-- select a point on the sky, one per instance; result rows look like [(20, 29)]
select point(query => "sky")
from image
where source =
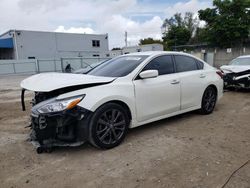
[(140, 18)]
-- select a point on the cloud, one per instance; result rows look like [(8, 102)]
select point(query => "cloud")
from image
[(118, 24), (46, 5), (85, 30), (189, 6), (150, 28), (140, 19)]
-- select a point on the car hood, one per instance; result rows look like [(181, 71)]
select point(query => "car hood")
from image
[(46, 82), (234, 69)]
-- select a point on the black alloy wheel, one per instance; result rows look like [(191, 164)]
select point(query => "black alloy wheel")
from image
[(108, 126), (208, 100)]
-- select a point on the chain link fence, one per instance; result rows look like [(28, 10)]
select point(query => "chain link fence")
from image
[(78, 63), (33, 66)]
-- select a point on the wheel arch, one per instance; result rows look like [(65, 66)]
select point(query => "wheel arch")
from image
[(123, 104), (92, 135), (214, 87), (204, 111)]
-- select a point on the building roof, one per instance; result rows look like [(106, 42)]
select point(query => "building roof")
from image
[(22, 30)]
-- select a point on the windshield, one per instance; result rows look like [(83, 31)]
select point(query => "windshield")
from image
[(118, 67), (85, 70), (240, 61)]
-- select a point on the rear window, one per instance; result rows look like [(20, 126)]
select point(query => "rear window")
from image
[(200, 64)]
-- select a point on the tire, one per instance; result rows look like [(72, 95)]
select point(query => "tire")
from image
[(108, 126), (208, 100)]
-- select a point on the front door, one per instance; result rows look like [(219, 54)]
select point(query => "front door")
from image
[(160, 95)]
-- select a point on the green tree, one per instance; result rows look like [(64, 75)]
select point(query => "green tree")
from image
[(228, 23), (179, 30), (149, 41), (191, 22), (200, 36), (176, 35)]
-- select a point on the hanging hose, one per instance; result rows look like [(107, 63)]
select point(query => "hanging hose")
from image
[(22, 99)]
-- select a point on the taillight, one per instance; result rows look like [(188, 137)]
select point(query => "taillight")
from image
[(220, 73)]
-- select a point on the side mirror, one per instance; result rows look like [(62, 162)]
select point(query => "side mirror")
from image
[(149, 74)]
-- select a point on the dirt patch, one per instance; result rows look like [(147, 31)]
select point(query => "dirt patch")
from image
[(189, 150)]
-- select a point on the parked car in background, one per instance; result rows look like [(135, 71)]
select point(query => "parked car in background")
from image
[(121, 93), (88, 68), (237, 73)]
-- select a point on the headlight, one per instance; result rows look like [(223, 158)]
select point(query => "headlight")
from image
[(60, 105)]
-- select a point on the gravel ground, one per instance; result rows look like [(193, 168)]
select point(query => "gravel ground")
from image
[(189, 150)]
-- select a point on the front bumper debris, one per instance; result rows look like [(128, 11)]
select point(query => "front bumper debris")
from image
[(67, 128), (237, 80)]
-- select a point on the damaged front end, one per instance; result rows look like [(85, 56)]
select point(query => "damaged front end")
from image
[(57, 122), (237, 80)]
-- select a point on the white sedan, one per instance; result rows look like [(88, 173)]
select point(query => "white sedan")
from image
[(124, 92)]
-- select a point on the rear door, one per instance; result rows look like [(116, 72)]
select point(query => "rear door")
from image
[(192, 80), (158, 96)]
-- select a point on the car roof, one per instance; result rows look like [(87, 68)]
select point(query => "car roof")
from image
[(152, 53), (244, 56)]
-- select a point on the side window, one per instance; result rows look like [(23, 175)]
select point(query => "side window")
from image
[(200, 64), (185, 63), (163, 64)]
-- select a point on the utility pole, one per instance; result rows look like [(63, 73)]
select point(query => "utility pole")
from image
[(175, 42), (126, 38), (16, 47)]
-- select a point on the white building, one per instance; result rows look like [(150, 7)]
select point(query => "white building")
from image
[(141, 48), (22, 44)]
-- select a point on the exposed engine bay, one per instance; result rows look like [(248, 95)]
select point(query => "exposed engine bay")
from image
[(237, 80)]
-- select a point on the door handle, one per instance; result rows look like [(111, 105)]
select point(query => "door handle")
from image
[(175, 82), (202, 75)]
